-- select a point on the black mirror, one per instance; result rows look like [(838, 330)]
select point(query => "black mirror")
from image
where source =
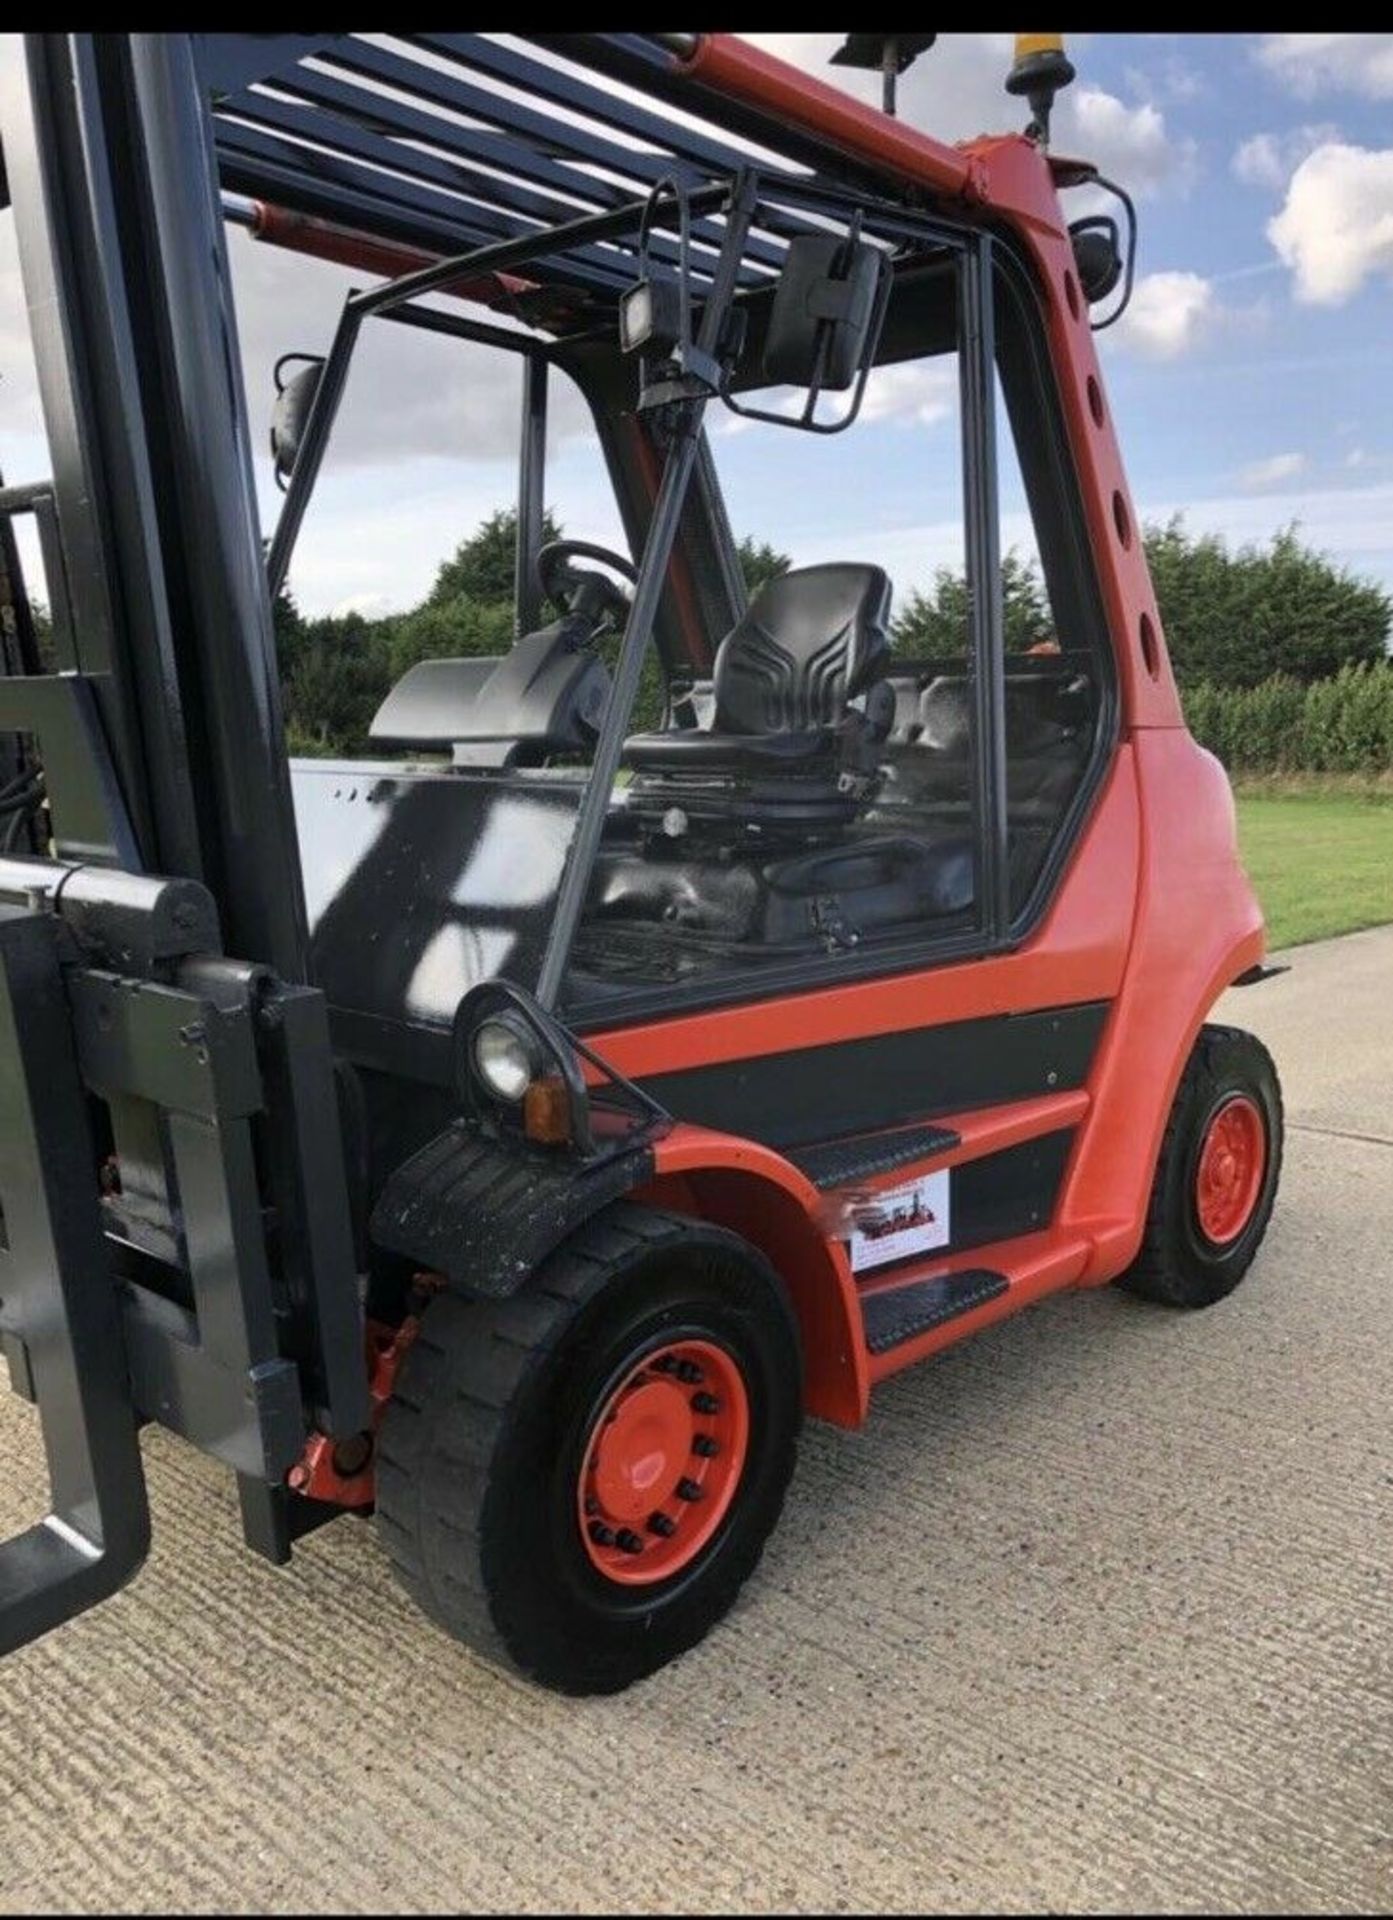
[(294, 399), (1097, 255), (822, 312)]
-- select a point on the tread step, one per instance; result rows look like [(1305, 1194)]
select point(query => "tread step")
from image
[(835, 1162), (896, 1314)]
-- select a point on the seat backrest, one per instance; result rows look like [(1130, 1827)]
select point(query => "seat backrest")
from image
[(809, 640)]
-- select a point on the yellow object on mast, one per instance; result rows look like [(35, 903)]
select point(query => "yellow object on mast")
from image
[(1040, 70)]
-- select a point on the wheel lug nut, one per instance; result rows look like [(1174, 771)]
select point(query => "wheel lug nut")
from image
[(662, 1525), (664, 1363), (705, 1403), (688, 1490), (602, 1535), (706, 1446), (689, 1371), (592, 1505), (628, 1541)]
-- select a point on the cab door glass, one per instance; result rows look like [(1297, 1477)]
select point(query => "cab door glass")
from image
[(1056, 679), (816, 810)]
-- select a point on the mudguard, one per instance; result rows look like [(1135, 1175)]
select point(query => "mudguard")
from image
[(484, 1212)]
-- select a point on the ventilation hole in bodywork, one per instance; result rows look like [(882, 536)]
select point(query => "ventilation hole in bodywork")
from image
[(1122, 520)]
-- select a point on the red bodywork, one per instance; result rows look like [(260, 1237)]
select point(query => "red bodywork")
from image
[(1154, 914), (321, 1472)]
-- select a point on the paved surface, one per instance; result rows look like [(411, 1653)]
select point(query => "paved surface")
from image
[(1095, 1614)]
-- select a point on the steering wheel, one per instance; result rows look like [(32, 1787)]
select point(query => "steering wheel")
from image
[(579, 590)]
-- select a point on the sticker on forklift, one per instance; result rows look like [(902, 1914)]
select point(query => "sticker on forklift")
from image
[(904, 1221)]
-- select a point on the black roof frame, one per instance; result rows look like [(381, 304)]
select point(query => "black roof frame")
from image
[(446, 142)]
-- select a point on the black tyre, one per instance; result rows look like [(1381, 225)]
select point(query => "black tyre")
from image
[(580, 1478), (1216, 1178)]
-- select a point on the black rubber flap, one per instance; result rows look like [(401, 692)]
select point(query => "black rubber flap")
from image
[(484, 1212)]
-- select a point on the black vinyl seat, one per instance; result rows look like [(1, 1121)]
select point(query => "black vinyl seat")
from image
[(812, 641)]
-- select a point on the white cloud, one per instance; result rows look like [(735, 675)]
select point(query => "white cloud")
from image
[(425, 443), (957, 90), (1167, 77), (1271, 472), (914, 393), (1129, 144), (1270, 159), (1308, 64), (20, 415), (370, 605), (921, 392), (1353, 524), (1336, 226), (1170, 313), (409, 393)]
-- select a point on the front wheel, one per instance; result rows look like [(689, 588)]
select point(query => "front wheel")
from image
[(1216, 1177), (582, 1477)]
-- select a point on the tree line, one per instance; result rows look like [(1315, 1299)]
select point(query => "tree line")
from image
[(1234, 620)]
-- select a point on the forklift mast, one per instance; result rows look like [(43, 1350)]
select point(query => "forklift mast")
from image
[(116, 202), (173, 847)]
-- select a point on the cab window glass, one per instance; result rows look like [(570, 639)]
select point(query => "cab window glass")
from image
[(816, 801), (1056, 664)]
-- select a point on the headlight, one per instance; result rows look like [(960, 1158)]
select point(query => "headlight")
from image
[(503, 1060), (650, 316)]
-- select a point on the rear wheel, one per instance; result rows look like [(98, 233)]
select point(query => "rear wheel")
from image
[(1216, 1177), (581, 1477)]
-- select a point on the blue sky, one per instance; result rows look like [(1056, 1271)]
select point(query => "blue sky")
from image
[(1252, 382)]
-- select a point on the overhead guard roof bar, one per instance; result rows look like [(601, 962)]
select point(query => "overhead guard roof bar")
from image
[(446, 142), (331, 139), (764, 99), (492, 207), (521, 252)]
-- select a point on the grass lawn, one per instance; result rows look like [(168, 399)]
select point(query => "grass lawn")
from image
[(1322, 862)]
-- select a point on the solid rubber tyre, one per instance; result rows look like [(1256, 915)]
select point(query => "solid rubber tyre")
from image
[(483, 1446), (1179, 1264)]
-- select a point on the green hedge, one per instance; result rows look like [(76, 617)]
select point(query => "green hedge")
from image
[(1340, 725)]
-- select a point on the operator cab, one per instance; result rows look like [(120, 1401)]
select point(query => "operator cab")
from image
[(834, 766)]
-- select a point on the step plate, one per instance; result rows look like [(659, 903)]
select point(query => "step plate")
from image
[(839, 1162), (898, 1314)]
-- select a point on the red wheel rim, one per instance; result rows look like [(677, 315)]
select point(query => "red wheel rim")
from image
[(662, 1462), (1228, 1174)]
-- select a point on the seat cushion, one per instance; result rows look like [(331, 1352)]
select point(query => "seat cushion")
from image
[(694, 751)]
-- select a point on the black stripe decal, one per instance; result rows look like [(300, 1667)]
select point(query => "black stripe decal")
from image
[(853, 1086)]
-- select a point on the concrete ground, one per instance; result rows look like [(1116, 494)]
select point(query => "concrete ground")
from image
[(1095, 1614)]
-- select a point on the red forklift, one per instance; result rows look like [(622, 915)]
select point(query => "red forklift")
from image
[(512, 1133)]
